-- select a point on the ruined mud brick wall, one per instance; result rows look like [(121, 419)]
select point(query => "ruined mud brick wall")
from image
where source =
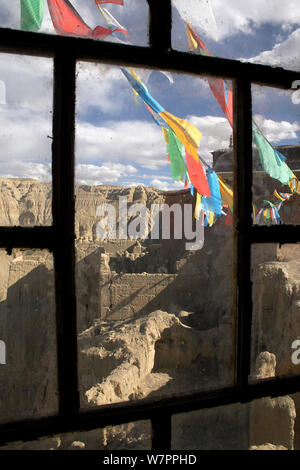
[(129, 295)]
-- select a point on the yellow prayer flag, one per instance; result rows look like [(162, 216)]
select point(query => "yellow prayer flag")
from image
[(192, 42), (211, 218), (135, 75), (198, 206), (226, 192), (188, 134), (166, 136)]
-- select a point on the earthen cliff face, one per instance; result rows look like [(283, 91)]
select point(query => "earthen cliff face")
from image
[(153, 319)]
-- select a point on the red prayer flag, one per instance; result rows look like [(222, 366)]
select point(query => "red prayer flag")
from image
[(229, 217), (197, 175), (217, 85), (67, 21)]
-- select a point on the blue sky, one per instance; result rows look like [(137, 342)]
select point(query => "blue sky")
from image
[(117, 141)]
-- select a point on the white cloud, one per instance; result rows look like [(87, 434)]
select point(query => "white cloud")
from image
[(285, 54), (102, 85), (137, 142), (237, 15), (166, 185), (106, 173), (216, 133), (21, 169), (276, 131), (23, 135), (28, 81)]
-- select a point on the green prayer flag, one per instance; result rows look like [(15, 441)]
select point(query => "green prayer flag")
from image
[(269, 158), (32, 13), (178, 166)]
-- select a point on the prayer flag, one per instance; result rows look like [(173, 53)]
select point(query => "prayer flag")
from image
[(67, 21), (271, 163), (32, 14), (200, 14), (218, 86), (214, 202), (113, 23), (188, 134), (197, 175), (141, 89), (226, 193), (178, 167)]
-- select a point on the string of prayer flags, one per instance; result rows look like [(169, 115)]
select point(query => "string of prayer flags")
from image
[(32, 14), (273, 162), (67, 21), (200, 14), (270, 158), (186, 132), (267, 215)]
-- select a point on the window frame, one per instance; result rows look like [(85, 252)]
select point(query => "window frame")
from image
[(60, 237)]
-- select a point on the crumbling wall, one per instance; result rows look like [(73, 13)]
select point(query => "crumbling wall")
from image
[(126, 296)]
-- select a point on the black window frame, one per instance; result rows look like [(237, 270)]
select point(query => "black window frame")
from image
[(60, 237)]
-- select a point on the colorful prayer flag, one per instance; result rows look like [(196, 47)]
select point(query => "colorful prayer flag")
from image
[(112, 22), (214, 202), (141, 89), (197, 175), (218, 86), (67, 21), (188, 134), (271, 163), (32, 14), (178, 167)]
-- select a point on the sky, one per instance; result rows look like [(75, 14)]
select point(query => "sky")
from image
[(117, 141)]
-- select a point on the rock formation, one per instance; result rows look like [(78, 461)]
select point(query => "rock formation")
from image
[(153, 319)]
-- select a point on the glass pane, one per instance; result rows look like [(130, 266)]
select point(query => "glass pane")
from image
[(111, 21), (276, 156), (153, 298), (25, 140), (276, 321), (129, 436), (28, 383), (263, 32), (265, 424)]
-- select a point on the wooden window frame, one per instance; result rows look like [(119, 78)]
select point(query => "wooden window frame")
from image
[(60, 237)]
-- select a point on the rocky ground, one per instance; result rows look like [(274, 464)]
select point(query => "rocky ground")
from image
[(168, 331)]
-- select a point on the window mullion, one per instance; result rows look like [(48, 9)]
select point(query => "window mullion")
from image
[(242, 137), (63, 216), (160, 24)]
